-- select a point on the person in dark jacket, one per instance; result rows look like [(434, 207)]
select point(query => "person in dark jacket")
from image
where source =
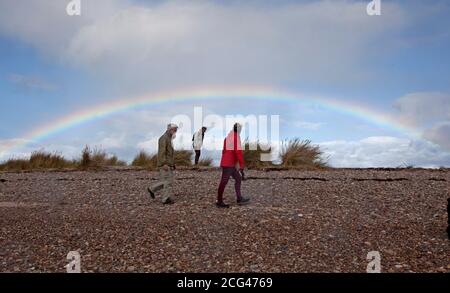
[(232, 164), (166, 165)]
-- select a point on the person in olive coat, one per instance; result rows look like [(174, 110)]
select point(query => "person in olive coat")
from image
[(165, 165)]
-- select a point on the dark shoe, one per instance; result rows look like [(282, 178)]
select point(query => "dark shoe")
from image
[(169, 201), (222, 205), (152, 194), (243, 200)]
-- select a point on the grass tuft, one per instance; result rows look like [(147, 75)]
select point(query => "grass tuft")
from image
[(183, 158), (150, 161), (98, 158), (38, 160), (205, 162), (296, 153), (252, 155), (144, 160)]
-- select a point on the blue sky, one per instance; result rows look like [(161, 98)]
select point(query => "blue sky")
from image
[(396, 64)]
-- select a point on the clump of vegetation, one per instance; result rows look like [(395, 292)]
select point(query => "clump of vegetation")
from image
[(85, 160), (182, 158), (43, 160), (37, 161), (150, 161), (252, 155), (205, 162), (14, 165), (115, 161), (144, 160), (296, 153), (98, 158)]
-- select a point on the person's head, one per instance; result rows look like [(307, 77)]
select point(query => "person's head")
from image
[(237, 128), (204, 129), (172, 129)]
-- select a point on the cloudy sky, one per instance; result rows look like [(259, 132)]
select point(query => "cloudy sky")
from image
[(396, 65)]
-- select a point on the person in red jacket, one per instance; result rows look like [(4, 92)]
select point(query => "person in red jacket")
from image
[(232, 161)]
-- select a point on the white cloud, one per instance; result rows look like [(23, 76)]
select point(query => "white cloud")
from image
[(45, 23), (181, 43), (191, 42), (429, 111), (112, 142), (6, 144), (24, 148), (440, 134), (424, 107), (385, 152), (150, 145)]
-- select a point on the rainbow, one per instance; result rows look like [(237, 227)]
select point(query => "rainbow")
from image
[(362, 112)]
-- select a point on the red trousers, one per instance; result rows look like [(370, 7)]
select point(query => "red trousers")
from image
[(226, 173)]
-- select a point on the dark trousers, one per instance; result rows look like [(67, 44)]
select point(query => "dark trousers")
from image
[(226, 173), (197, 156)]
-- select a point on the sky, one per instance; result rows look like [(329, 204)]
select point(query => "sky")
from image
[(372, 91)]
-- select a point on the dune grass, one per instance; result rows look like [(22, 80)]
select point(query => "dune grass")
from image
[(42, 160), (97, 158), (183, 158), (150, 161), (38, 160), (205, 162), (252, 155), (296, 153), (145, 160)]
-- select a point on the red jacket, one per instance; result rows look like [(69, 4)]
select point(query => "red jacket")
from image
[(232, 151)]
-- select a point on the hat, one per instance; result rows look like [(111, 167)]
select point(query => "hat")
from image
[(171, 126)]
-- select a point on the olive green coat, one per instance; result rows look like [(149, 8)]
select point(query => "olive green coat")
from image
[(165, 150)]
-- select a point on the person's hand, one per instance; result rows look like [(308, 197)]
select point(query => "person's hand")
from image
[(242, 174)]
